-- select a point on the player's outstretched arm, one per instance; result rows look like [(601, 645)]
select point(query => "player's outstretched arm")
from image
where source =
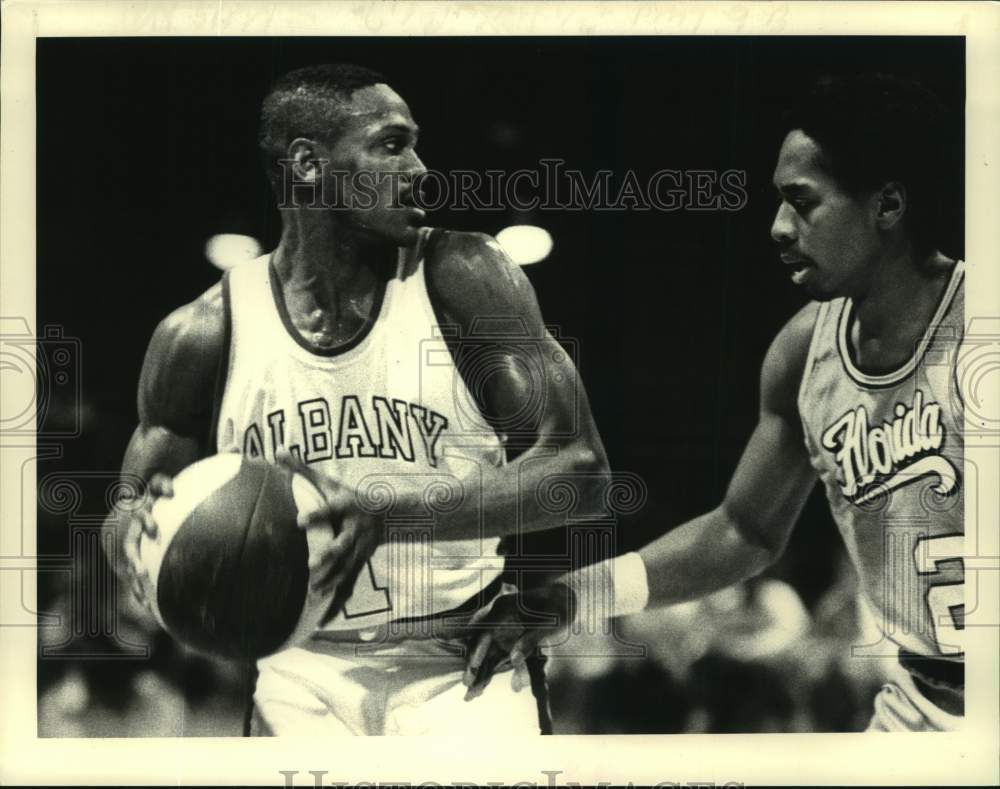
[(530, 391), (750, 528), (738, 539), (175, 399)]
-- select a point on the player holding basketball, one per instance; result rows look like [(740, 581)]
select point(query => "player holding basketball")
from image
[(325, 353), (858, 389)]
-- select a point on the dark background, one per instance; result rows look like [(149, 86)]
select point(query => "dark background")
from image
[(147, 147)]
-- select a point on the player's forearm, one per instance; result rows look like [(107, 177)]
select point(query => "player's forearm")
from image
[(115, 524), (533, 493), (702, 556)]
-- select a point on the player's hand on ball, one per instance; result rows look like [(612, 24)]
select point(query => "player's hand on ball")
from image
[(139, 521), (335, 568), (510, 631)]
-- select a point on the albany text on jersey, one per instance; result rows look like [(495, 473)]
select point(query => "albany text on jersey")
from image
[(387, 414)]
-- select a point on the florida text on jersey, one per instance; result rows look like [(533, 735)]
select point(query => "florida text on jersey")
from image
[(889, 450)]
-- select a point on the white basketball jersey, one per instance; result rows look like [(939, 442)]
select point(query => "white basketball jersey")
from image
[(889, 450), (386, 415)]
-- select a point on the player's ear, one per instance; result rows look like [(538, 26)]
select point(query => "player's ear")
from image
[(302, 155), (891, 204)]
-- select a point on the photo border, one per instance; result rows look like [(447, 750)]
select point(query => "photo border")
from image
[(969, 756)]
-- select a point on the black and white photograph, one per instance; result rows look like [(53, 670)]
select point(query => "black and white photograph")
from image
[(517, 388)]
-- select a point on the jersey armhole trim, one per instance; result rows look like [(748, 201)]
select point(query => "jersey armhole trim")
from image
[(817, 329), (954, 380), (448, 331), (437, 307), (222, 371)]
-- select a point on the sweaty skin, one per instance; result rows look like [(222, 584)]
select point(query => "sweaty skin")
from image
[(331, 265), (469, 276)]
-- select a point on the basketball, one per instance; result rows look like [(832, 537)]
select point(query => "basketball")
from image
[(229, 565)]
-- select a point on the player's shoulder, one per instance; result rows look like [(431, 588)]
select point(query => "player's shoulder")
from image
[(183, 359), (796, 335), (192, 333), (785, 362), (458, 246), (469, 275)]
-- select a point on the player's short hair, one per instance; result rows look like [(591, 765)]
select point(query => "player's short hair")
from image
[(307, 102), (873, 128)]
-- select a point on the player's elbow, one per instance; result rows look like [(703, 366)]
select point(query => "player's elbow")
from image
[(767, 544), (590, 460), (589, 465)]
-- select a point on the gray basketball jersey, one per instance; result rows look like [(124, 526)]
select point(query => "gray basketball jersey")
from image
[(889, 451)]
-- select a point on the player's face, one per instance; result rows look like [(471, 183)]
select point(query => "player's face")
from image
[(827, 238), (376, 147)]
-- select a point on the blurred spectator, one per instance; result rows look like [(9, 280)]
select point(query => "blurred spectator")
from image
[(171, 693), (749, 658)]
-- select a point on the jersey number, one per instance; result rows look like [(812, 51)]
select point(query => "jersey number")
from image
[(368, 596), (945, 599), (408, 565)]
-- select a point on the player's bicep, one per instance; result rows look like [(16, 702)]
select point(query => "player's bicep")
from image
[(771, 483), (525, 382), (774, 476), (539, 385), (181, 369), (534, 390)]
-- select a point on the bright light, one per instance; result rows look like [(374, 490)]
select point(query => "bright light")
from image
[(525, 244), (230, 249)]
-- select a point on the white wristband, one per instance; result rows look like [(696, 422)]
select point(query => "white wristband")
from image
[(614, 587), (631, 584)]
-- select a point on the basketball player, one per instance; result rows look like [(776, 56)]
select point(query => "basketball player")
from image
[(326, 353), (858, 389)]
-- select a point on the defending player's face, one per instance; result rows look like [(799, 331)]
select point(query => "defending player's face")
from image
[(376, 146), (827, 237)]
